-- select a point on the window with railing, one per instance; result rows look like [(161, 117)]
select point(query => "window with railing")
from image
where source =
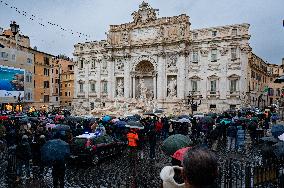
[(81, 86), (195, 56), (46, 84), (104, 85), (93, 87), (214, 55), (234, 32), (213, 86), (233, 86), (233, 53), (46, 98), (46, 61), (194, 85)]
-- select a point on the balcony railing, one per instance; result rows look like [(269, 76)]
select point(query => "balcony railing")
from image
[(81, 94), (211, 94), (231, 94)]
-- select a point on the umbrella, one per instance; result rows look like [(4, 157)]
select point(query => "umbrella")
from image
[(211, 114), (179, 154), (61, 127), (55, 150), (226, 121), (279, 149), (137, 116), (174, 143), (183, 120), (254, 119), (281, 137), (150, 114), (49, 125), (158, 111), (268, 139), (4, 117), (207, 120), (106, 118), (174, 119), (114, 120), (184, 116), (34, 119), (277, 130), (120, 124), (132, 118), (134, 125), (279, 79)]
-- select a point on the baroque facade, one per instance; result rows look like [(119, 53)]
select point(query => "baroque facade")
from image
[(157, 62)]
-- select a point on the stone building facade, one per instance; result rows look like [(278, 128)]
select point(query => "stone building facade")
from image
[(156, 62), (66, 76), (14, 54)]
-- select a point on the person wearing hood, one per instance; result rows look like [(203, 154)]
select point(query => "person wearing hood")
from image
[(200, 170), (23, 157)]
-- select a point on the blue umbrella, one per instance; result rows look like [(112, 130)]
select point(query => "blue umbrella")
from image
[(55, 150), (277, 130), (106, 118), (120, 124), (61, 127)]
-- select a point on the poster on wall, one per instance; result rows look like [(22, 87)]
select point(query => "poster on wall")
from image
[(12, 82)]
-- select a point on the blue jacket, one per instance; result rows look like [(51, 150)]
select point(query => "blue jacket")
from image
[(240, 136)]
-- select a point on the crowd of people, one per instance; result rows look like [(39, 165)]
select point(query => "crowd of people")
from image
[(28, 137)]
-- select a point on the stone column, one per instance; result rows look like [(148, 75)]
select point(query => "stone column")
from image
[(133, 87), (181, 76), (127, 78), (155, 86), (161, 83), (111, 79)]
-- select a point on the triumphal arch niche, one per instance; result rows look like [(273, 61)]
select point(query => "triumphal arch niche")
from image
[(149, 56)]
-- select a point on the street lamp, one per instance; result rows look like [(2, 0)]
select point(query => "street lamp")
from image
[(191, 103), (14, 28)]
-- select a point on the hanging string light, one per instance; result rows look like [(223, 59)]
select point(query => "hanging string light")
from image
[(41, 22)]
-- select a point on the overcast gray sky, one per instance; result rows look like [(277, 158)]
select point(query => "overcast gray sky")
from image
[(93, 17)]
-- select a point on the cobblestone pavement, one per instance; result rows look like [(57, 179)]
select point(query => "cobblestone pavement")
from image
[(118, 171), (112, 172)]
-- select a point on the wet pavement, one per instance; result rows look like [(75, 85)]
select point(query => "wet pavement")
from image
[(118, 171)]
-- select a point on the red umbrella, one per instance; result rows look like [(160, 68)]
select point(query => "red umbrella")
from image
[(180, 153), (4, 117)]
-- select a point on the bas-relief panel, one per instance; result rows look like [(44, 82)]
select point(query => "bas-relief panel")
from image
[(144, 34)]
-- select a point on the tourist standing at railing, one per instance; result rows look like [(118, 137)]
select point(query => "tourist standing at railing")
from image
[(165, 129), (23, 157), (231, 137), (152, 138)]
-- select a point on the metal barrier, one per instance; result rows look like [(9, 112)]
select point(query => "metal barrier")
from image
[(240, 173)]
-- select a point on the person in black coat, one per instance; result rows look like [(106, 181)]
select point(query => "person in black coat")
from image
[(23, 157), (58, 168), (231, 136), (37, 154), (152, 138)]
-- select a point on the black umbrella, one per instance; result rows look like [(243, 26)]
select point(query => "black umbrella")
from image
[(150, 114), (279, 79), (184, 116), (268, 139), (134, 124), (55, 150)]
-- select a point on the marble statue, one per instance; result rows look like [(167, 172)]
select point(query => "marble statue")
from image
[(172, 88), (120, 87), (143, 89)]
